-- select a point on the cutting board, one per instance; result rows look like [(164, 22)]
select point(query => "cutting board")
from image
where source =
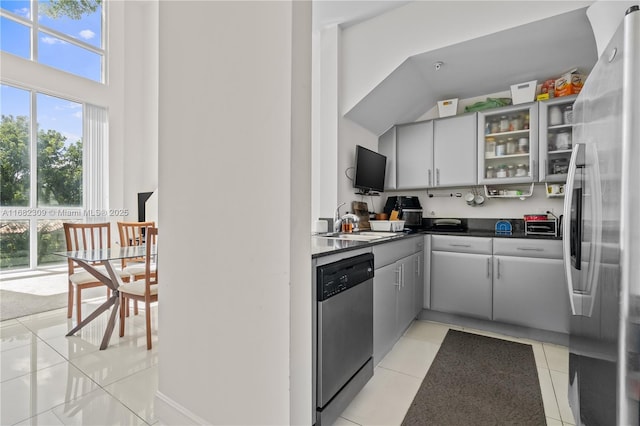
[(361, 210)]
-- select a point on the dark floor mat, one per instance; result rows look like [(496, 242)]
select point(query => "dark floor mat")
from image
[(479, 380)]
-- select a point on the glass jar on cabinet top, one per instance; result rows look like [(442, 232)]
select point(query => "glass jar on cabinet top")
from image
[(555, 130), (511, 141)]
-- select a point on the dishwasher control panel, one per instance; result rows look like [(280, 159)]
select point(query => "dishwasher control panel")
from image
[(340, 276)]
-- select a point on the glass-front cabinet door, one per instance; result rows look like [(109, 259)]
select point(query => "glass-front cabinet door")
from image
[(555, 128), (508, 144)]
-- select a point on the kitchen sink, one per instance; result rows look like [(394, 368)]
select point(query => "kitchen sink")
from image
[(359, 236)]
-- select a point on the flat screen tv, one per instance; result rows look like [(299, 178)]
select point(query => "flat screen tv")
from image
[(370, 169)]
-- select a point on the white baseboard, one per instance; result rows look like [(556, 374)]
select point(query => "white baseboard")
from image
[(168, 412)]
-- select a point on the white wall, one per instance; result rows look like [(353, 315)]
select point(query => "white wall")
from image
[(326, 63), (234, 129), (357, 135), (374, 48), (300, 347), (605, 17), (442, 204), (140, 141)]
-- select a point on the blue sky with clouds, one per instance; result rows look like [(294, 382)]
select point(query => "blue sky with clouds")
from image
[(52, 113)]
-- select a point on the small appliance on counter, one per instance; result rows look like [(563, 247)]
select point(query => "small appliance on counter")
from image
[(540, 224), (448, 225), (409, 209)]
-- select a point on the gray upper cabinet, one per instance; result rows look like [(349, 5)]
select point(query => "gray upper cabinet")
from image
[(414, 155), (508, 144), (454, 150), (387, 147), (555, 134), (431, 154)]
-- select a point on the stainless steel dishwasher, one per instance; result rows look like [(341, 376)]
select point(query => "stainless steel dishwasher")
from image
[(344, 334)]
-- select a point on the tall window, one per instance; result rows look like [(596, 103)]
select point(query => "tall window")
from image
[(53, 149), (41, 169), (64, 34)]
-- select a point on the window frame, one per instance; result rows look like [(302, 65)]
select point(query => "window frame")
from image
[(32, 212), (35, 28)]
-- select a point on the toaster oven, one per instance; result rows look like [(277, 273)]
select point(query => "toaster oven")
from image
[(541, 227)]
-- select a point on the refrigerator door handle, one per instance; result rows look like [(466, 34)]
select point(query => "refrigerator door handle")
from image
[(582, 286), (566, 231)]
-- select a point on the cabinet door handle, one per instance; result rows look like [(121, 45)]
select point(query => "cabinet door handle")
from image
[(418, 265), (398, 277), (546, 170), (460, 245), (498, 268), (429, 177), (488, 267), (437, 177), (530, 249), (533, 170), (402, 274)]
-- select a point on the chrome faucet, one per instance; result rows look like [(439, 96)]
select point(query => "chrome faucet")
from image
[(337, 221)]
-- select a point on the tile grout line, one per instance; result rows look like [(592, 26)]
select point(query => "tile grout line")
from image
[(72, 364)]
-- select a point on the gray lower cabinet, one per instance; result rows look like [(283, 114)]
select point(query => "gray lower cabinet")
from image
[(406, 293), (528, 284), (515, 281), (423, 292), (398, 268), (461, 283), (461, 275), (385, 291)]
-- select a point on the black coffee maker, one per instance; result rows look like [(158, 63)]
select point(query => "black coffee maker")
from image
[(409, 209)]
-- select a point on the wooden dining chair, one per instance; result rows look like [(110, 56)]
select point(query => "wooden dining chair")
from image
[(146, 289), (85, 236), (133, 234)]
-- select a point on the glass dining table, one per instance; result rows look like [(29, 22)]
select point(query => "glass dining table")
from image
[(87, 260)]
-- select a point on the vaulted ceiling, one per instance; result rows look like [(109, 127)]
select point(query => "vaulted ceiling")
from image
[(536, 51)]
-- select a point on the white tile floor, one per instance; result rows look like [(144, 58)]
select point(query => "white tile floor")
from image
[(388, 395), (49, 379)]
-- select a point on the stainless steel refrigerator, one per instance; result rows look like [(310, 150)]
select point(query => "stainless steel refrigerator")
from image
[(601, 236)]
